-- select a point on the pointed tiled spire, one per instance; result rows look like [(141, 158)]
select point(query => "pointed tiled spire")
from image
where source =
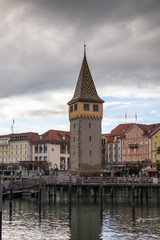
[(85, 89)]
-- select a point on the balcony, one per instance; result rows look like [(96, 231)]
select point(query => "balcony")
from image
[(134, 145)]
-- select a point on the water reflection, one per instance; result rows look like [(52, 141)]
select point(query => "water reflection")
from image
[(86, 218)]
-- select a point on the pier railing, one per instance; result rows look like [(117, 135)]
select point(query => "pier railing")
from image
[(98, 180), (74, 180)]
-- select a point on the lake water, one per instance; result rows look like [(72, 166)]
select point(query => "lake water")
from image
[(85, 219)]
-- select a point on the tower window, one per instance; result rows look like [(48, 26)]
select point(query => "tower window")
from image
[(89, 125), (90, 138), (86, 107), (75, 107), (71, 108), (95, 108)]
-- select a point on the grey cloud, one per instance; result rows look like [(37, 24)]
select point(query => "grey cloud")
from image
[(41, 43)]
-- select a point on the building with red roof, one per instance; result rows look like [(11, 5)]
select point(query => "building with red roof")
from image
[(52, 146)]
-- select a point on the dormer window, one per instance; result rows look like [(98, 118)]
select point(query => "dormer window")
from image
[(86, 107)]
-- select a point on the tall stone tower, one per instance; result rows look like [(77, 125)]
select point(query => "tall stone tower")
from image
[(85, 115)]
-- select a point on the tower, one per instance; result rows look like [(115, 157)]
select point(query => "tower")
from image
[(85, 115)]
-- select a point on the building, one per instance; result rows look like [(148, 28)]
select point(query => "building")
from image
[(4, 149), (155, 144), (52, 146), (20, 146), (85, 115), (105, 138), (132, 142)]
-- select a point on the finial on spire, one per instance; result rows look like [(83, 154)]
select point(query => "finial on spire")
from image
[(84, 50)]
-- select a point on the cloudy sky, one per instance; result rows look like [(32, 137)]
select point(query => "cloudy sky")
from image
[(41, 51)]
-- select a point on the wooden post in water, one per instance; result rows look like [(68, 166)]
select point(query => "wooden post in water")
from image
[(70, 189), (101, 190), (40, 188), (133, 189), (11, 186), (1, 184)]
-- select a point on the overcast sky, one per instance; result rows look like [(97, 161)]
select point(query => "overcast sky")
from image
[(41, 51)]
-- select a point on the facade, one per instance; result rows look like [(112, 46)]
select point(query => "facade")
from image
[(133, 142), (85, 115), (155, 145), (105, 138), (135, 145), (4, 149), (52, 146), (20, 146)]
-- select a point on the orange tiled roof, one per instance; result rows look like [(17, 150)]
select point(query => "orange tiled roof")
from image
[(23, 136), (53, 136)]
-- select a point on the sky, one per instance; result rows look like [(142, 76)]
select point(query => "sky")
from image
[(41, 52)]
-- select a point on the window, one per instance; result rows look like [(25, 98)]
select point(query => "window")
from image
[(140, 134), (128, 151), (146, 141), (89, 125), (86, 107), (90, 138), (95, 108), (134, 158), (134, 150), (127, 143), (71, 108), (40, 158), (156, 145), (63, 148), (36, 148), (140, 141), (128, 158), (90, 152), (74, 125), (146, 149), (140, 150), (45, 158), (40, 148), (127, 135), (62, 163), (136, 134), (156, 156), (75, 107), (132, 134), (123, 151), (45, 147), (123, 143)]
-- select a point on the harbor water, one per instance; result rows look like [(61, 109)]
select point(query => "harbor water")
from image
[(85, 219)]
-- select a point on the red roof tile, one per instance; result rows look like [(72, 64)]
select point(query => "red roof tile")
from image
[(53, 136)]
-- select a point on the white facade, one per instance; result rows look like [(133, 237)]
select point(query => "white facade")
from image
[(56, 154)]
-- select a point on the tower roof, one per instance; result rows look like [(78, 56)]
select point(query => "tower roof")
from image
[(85, 89)]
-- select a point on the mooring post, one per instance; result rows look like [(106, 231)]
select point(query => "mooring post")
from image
[(133, 189), (11, 186), (70, 189), (40, 187), (101, 190), (1, 185)]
